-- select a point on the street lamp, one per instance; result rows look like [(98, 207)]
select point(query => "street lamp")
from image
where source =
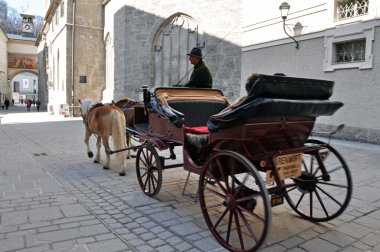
[(284, 9)]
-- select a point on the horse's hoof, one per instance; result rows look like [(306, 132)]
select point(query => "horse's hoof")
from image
[(106, 168), (96, 161), (90, 154), (122, 173)]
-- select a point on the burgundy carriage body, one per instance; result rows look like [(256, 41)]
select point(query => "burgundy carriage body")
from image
[(276, 117)]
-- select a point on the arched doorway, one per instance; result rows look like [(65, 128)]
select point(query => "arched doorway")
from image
[(23, 85), (175, 38)]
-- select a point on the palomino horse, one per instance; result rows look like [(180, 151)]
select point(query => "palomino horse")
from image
[(104, 121), (126, 104)]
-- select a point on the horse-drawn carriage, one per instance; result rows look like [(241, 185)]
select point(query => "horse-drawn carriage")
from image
[(248, 158)]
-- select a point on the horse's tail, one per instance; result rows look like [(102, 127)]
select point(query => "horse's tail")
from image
[(119, 139)]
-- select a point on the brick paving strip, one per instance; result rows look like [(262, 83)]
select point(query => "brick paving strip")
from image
[(54, 199)]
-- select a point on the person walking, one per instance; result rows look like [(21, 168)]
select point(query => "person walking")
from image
[(6, 103), (201, 75), (28, 104), (38, 103)]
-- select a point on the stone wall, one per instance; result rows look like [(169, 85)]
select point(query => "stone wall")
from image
[(135, 25)]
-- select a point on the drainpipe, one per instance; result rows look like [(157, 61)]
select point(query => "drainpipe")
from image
[(72, 57)]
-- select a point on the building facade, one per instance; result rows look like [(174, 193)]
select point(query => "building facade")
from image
[(147, 42), (72, 51), (338, 41), (4, 91), (115, 47)]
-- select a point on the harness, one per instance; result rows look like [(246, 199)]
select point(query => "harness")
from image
[(85, 118)]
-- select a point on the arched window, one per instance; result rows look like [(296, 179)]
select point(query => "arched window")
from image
[(176, 37)]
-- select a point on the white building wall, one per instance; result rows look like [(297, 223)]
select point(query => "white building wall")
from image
[(56, 40), (356, 85)]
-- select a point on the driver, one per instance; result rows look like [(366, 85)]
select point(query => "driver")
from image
[(201, 75)]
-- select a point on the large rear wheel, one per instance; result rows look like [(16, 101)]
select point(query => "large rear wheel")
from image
[(236, 206), (149, 170), (324, 189)]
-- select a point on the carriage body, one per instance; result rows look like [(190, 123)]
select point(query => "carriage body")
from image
[(256, 154)]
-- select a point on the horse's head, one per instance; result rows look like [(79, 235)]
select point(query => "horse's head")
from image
[(85, 106)]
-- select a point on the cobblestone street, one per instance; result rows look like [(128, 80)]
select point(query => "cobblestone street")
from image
[(54, 198)]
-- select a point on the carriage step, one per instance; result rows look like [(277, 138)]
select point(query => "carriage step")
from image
[(277, 199)]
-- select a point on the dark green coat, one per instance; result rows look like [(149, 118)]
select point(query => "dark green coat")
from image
[(201, 76)]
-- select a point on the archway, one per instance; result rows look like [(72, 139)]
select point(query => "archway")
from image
[(23, 85), (174, 39)]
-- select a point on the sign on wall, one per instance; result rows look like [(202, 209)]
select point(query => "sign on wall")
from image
[(24, 61), (25, 83)]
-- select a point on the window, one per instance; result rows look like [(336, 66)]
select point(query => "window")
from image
[(350, 51), (351, 8), (82, 79), (345, 50)]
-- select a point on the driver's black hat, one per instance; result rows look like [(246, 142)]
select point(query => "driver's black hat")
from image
[(195, 52)]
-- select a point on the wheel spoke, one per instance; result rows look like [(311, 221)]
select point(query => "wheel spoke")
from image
[(251, 213), (220, 219), (142, 176), (305, 166), (145, 158), (229, 227), (241, 185), (311, 204), (291, 189), (237, 223), (142, 161), (320, 202), (215, 192), (146, 180), (332, 184), (219, 164), (331, 197), (299, 200), (218, 183), (152, 177), (335, 169), (249, 228)]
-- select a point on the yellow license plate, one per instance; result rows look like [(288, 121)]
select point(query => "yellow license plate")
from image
[(288, 166)]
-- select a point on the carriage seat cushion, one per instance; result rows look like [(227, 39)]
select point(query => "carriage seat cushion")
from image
[(188, 106), (283, 87), (269, 107)]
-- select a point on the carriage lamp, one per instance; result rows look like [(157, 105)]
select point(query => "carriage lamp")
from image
[(284, 9)]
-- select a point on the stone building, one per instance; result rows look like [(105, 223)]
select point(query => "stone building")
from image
[(118, 46), (3, 66), (72, 51), (146, 43), (338, 41)]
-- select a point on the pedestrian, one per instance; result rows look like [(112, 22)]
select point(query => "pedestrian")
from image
[(38, 103), (6, 103), (33, 102), (13, 102), (22, 101), (201, 75), (28, 104)]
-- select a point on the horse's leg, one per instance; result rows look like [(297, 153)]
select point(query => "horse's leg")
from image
[(86, 141), (129, 144), (98, 145), (107, 149)]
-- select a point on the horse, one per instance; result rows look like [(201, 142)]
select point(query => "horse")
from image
[(104, 121), (126, 104)]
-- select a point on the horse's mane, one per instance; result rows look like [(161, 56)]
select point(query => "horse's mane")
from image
[(86, 105)]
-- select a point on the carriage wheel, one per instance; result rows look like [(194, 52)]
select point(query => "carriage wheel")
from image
[(236, 206), (149, 170), (324, 189)]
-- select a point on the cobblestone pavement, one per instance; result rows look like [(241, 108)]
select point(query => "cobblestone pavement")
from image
[(53, 198)]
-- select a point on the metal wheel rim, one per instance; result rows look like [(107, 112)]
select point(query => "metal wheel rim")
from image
[(148, 159), (318, 197), (223, 238)]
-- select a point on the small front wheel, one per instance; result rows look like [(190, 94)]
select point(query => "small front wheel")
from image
[(236, 205), (149, 170)]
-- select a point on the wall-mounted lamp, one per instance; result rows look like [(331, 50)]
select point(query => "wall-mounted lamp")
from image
[(284, 9)]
